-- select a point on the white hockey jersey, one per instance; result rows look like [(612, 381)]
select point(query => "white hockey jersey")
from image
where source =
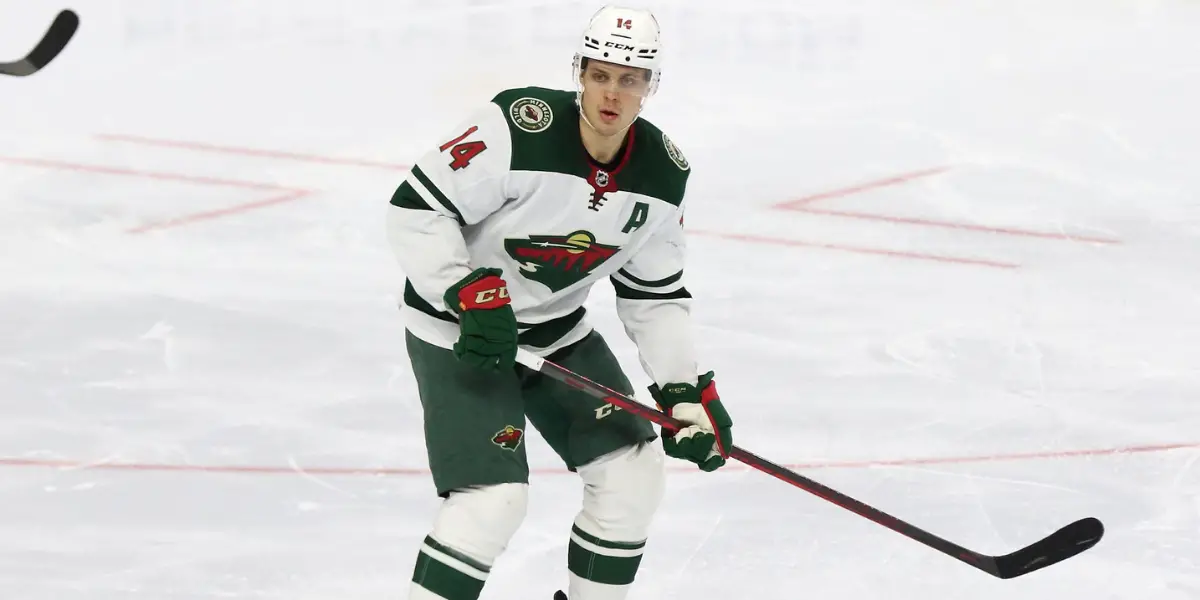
[(513, 188)]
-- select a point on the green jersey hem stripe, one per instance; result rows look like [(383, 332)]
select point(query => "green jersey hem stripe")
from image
[(437, 194), (420, 304), (544, 335), (537, 335)]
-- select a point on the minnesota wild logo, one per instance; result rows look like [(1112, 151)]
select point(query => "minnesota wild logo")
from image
[(531, 114), (508, 438), (675, 154), (558, 261)]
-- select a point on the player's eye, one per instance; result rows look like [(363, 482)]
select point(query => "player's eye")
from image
[(628, 81), (598, 76)]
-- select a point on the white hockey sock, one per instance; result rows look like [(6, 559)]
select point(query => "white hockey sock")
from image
[(621, 493), (471, 530), (445, 574), (601, 569)]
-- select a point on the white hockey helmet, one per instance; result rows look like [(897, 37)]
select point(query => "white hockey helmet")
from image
[(623, 36)]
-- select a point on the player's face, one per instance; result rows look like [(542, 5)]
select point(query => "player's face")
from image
[(612, 95)]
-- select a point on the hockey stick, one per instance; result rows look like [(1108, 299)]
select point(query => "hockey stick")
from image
[(56, 38), (1058, 546)]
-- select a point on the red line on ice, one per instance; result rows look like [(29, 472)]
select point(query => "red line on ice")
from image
[(217, 213), (957, 225), (804, 205), (862, 187), (758, 239), (195, 179), (421, 471), (290, 193), (243, 151)]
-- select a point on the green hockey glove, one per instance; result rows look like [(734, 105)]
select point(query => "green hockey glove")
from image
[(487, 327), (709, 437)]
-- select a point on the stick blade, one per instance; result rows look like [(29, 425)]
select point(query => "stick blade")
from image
[(61, 31), (65, 24), (1056, 547)]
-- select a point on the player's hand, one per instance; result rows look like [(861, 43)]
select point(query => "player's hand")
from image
[(708, 438), (487, 327)]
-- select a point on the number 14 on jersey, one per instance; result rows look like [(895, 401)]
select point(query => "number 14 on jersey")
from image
[(461, 151)]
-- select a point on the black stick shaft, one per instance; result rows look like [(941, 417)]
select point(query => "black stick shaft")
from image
[(1039, 555)]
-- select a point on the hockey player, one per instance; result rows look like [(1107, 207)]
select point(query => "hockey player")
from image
[(502, 230)]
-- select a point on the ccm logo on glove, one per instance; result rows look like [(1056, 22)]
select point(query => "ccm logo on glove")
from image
[(487, 327), (486, 293)]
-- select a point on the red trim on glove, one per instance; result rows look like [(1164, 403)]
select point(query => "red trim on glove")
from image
[(708, 394), (487, 293)]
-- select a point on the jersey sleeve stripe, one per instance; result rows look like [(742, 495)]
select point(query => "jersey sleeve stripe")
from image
[(431, 192), (407, 197), (675, 283), (664, 282), (629, 293)]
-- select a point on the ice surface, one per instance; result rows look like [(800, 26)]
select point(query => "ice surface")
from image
[(205, 393)]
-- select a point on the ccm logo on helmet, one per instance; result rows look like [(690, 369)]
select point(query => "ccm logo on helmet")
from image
[(618, 46)]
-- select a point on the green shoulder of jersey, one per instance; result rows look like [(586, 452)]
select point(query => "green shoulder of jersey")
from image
[(544, 127)]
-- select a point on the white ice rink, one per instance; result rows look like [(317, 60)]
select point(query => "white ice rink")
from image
[(945, 256)]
